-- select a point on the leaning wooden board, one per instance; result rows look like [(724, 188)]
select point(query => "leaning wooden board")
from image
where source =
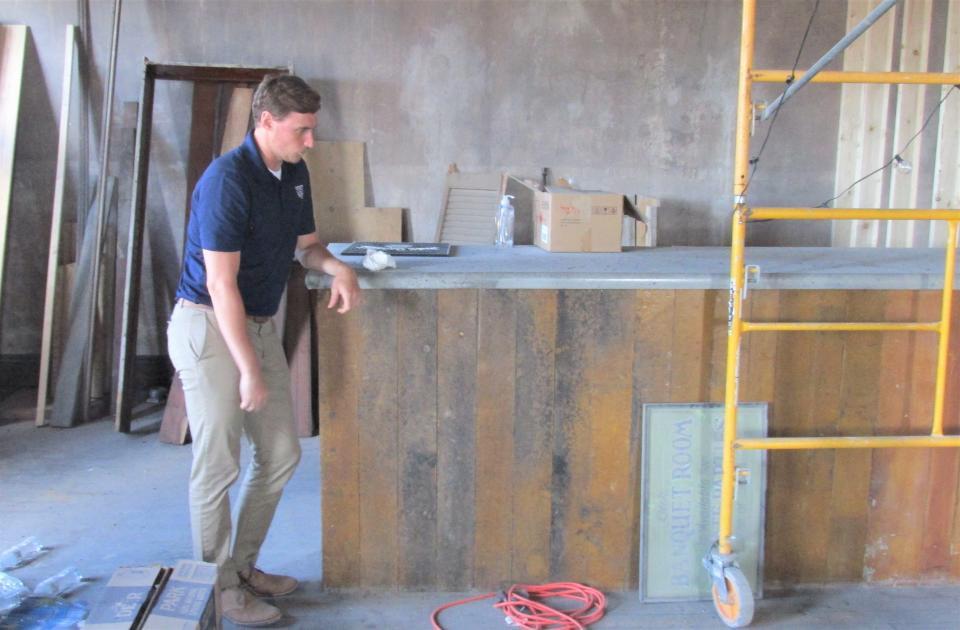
[(13, 45)]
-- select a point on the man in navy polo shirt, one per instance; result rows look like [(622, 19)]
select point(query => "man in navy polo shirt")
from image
[(251, 214)]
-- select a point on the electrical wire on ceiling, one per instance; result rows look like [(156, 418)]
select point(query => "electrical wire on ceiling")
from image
[(896, 159)]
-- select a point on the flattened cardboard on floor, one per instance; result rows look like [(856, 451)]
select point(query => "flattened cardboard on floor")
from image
[(189, 599), (127, 598)]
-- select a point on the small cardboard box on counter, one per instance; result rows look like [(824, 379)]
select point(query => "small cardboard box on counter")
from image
[(566, 220), (189, 600)]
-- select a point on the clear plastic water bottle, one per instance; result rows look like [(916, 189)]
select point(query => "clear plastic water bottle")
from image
[(12, 592), (21, 553), (59, 584), (505, 217)]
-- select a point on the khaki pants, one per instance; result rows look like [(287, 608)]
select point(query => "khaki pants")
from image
[(211, 387)]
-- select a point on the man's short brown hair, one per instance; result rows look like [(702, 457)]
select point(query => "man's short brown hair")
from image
[(281, 94)]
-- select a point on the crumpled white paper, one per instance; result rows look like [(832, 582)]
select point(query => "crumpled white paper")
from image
[(378, 260)]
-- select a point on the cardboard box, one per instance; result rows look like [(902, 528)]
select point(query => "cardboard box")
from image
[(579, 221), (127, 598), (189, 600)]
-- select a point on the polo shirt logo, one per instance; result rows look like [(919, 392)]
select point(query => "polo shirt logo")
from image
[(299, 189)]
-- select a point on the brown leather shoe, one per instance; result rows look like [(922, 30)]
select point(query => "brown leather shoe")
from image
[(244, 609), (264, 584)]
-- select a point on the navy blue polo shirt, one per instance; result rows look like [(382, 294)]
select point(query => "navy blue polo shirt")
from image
[(240, 206)]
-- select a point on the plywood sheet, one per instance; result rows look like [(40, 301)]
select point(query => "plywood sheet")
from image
[(381, 225), (13, 46), (50, 307), (946, 182), (914, 52), (337, 184), (861, 146), (417, 431), (238, 118)]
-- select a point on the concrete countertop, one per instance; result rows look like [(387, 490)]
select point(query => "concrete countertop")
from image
[(528, 267)]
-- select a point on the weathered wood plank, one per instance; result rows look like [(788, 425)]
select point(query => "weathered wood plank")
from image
[(946, 170), (339, 364), (456, 439), (496, 384), (535, 412), (377, 405), (692, 340), (570, 547), (238, 118), (758, 357), (914, 53), (417, 449), (609, 383), (13, 47), (50, 306), (936, 552), (850, 498), (299, 347), (898, 475), (337, 182), (863, 125), (798, 482)]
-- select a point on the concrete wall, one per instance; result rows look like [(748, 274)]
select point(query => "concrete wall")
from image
[(630, 95)]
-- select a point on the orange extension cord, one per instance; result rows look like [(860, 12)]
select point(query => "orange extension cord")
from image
[(523, 603)]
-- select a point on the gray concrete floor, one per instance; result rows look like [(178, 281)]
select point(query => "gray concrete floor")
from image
[(101, 499)]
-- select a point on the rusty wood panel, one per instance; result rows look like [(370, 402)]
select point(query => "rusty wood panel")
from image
[(799, 482), (202, 146), (569, 549), (496, 382), (231, 74), (417, 451), (299, 348), (338, 366), (692, 341), (899, 487), (535, 411), (652, 343), (456, 396), (609, 396), (758, 355), (941, 547), (377, 404), (591, 496), (716, 328), (852, 468)]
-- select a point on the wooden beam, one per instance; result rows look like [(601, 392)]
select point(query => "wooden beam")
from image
[(337, 184), (946, 178), (131, 292), (914, 52), (216, 73), (238, 119), (861, 146), (56, 225), (13, 45), (70, 401)]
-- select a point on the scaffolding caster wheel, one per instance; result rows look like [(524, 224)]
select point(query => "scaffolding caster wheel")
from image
[(732, 596)]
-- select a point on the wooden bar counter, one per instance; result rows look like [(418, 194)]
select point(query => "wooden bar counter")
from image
[(480, 414)]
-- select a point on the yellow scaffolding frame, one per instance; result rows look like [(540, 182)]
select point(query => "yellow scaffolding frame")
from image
[(732, 597)]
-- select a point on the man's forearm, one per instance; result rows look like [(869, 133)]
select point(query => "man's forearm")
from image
[(231, 318), (317, 258)]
